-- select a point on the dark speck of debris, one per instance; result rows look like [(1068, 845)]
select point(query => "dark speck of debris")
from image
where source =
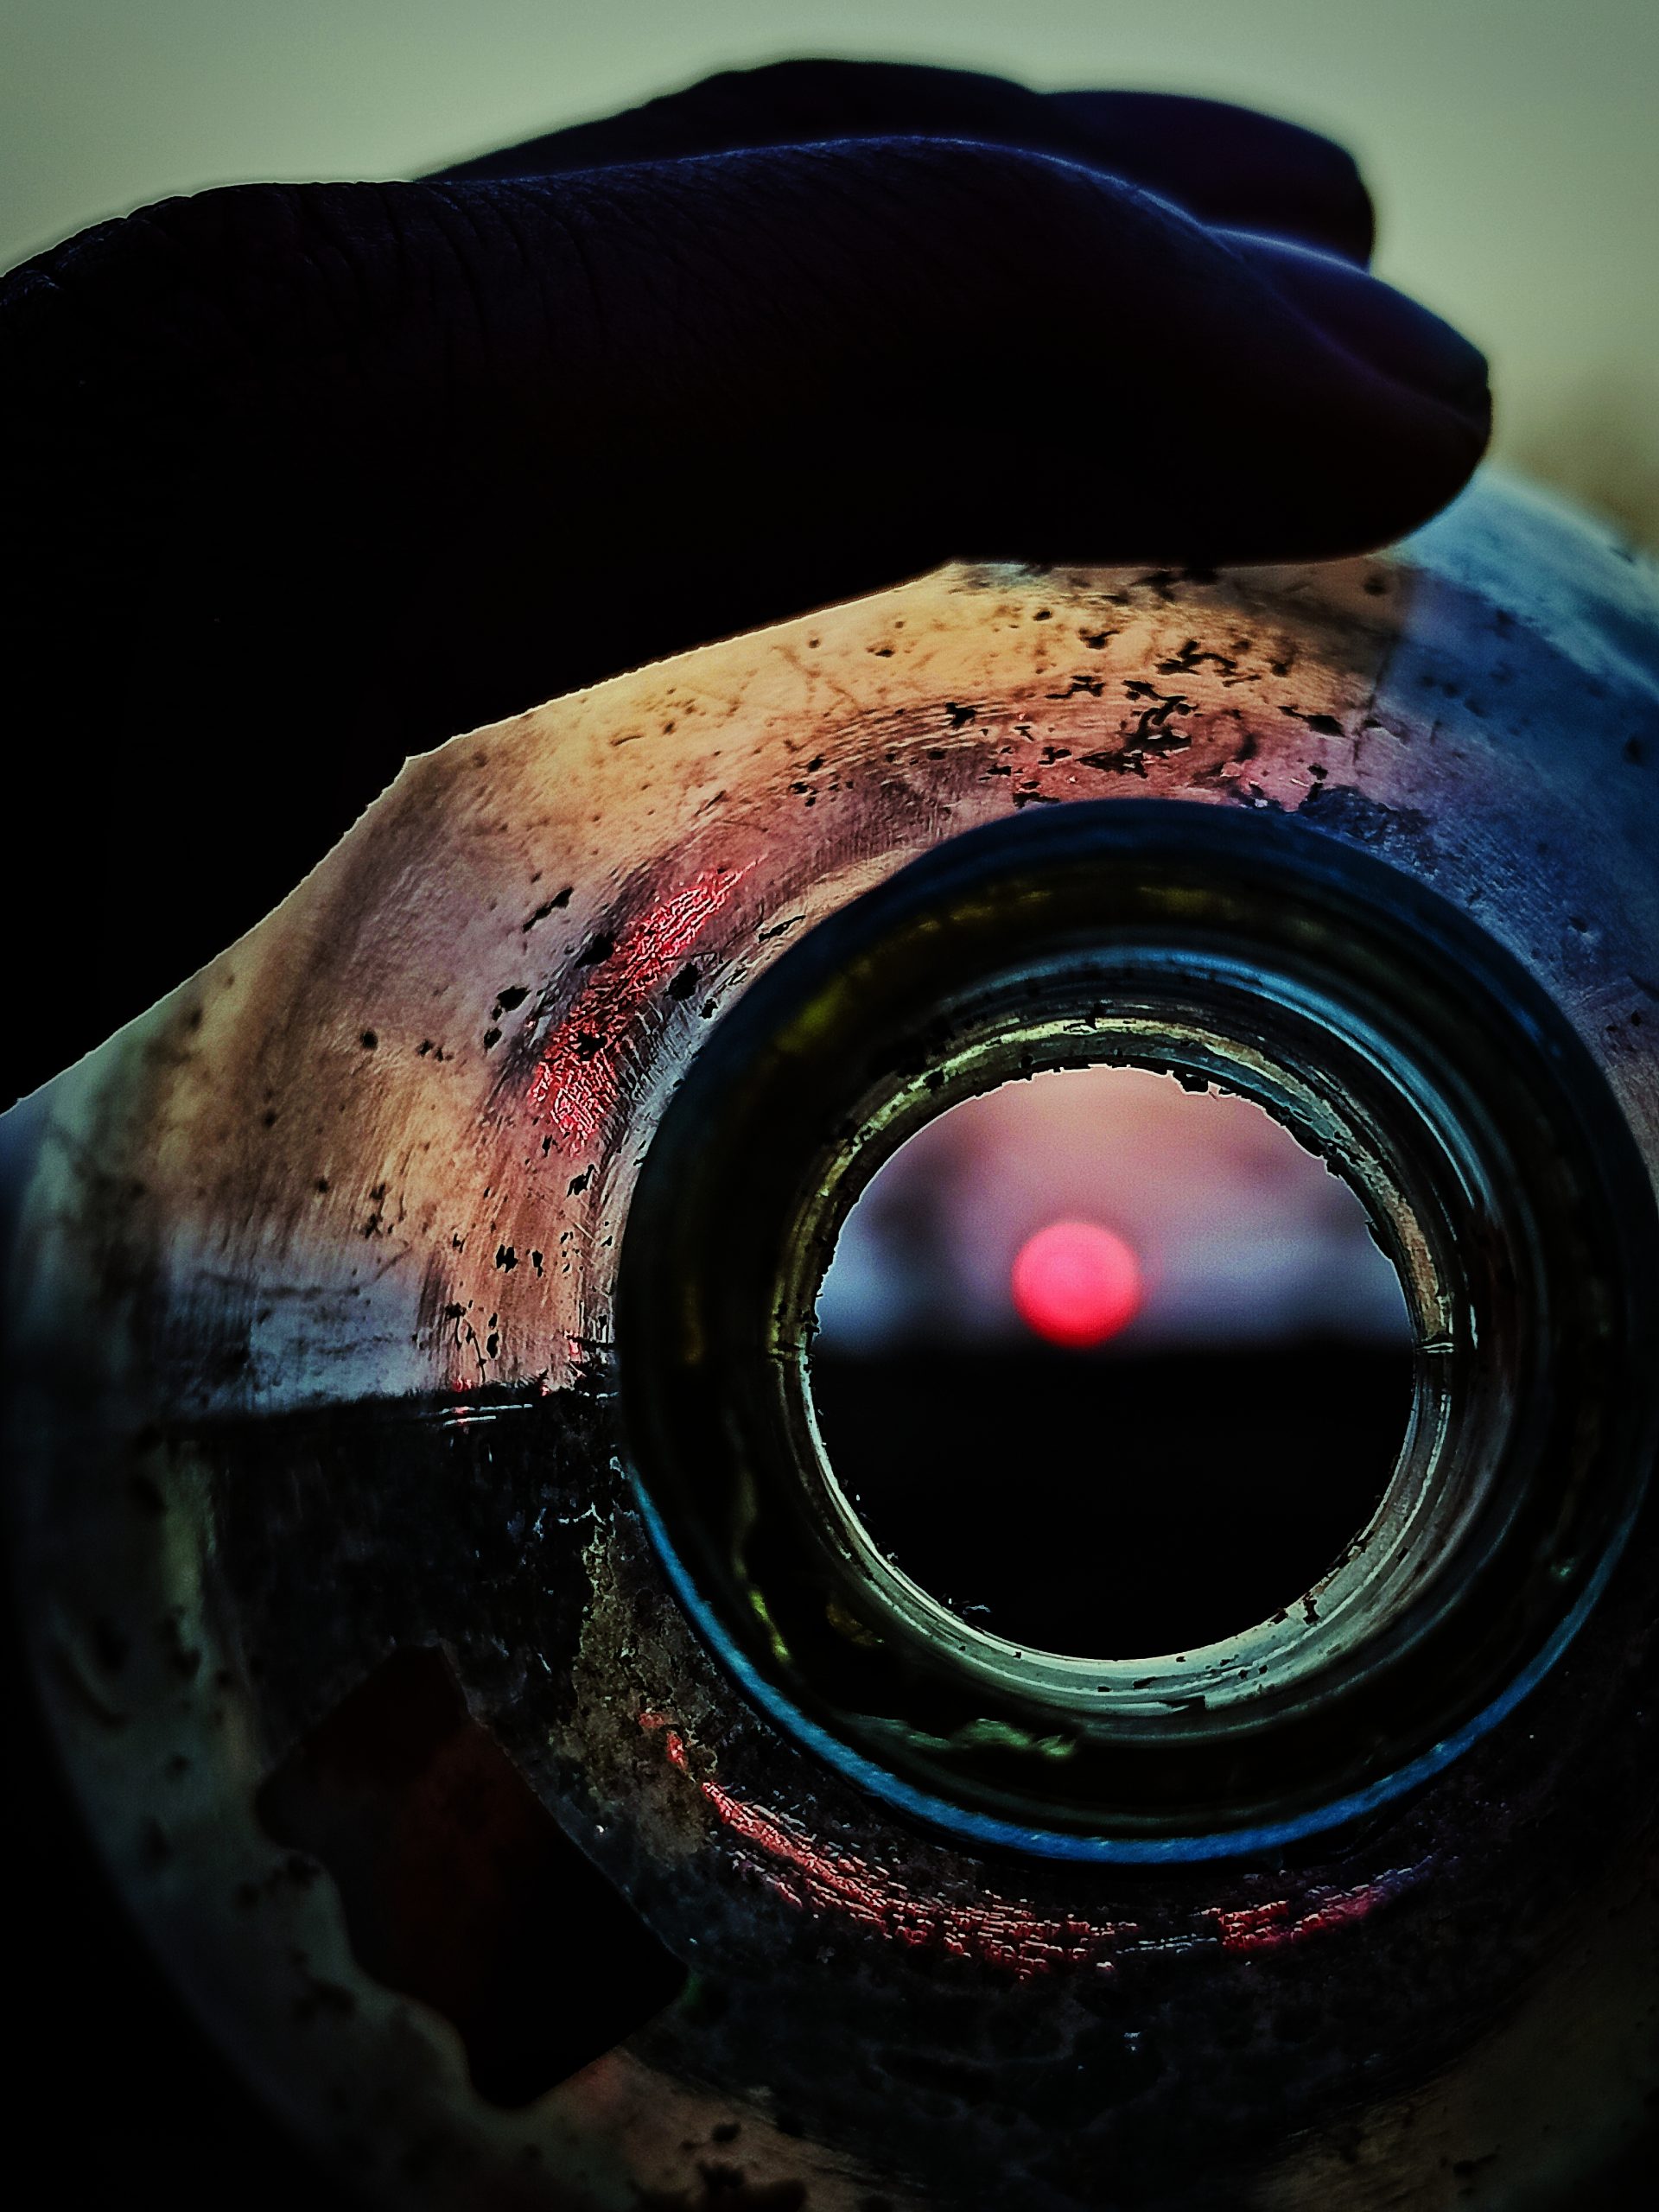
[(1192, 656), (596, 948), (491, 1039), (507, 1000), (549, 907), (505, 1258), (368, 1040), (1634, 752), (726, 2131), (1465, 2167), (1353, 813), (268, 1117), (960, 716), (325, 1998), (1322, 725), (184, 1658), (1376, 586), (684, 983), (580, 1182)]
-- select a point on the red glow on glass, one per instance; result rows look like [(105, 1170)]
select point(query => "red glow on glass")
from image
[(575, 1079), (1076, 1283)]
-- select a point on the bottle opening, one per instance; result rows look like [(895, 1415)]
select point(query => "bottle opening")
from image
[(1111, 1366)]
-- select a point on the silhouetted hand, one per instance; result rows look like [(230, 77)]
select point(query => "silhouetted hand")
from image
[(309, 477)]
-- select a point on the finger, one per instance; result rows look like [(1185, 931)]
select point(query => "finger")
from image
[(1230, 165), (1223, 163), (312, 478), (1366, 318)]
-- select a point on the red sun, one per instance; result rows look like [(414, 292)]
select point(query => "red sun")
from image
[(1076, 1283)]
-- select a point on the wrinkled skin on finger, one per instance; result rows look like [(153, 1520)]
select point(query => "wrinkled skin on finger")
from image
[(1223, 164)]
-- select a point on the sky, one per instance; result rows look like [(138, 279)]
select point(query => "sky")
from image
[(1512, 145), (1238, 1235)]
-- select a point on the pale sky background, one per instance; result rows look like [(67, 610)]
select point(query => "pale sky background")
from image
[(1512, 145), (1241, 1235)]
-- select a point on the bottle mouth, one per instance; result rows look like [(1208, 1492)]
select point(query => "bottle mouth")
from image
[(1112, 1365), (1391, 1041)]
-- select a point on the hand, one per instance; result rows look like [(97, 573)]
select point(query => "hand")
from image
[(309, 477)]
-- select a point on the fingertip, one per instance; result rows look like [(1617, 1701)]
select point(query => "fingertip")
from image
[(1369, 320)]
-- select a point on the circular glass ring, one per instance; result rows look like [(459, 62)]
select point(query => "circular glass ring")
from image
[(1390, 1036)]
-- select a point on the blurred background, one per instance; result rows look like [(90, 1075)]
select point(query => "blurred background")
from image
[(1239, 1236), (1512, 145), (1201, 1452)]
